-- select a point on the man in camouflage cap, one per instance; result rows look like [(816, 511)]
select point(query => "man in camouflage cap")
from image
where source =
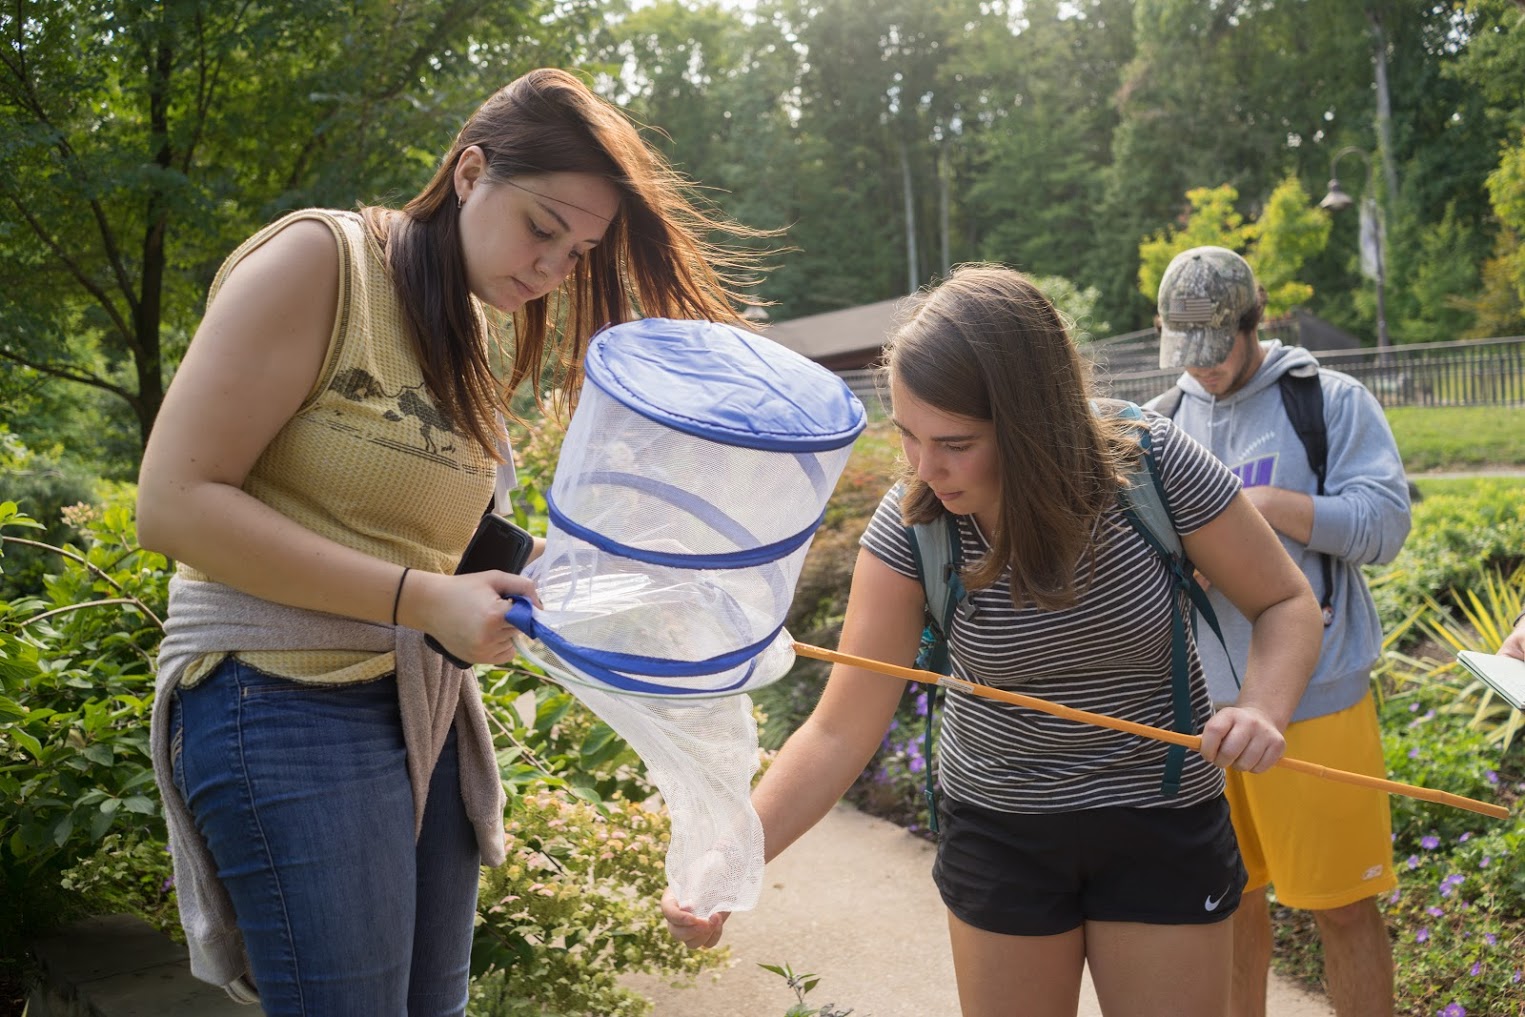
[(1325, 847), (1207, 297)]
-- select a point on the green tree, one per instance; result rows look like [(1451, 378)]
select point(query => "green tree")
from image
[(1036, 178), (1497, 308), (1506, 187), (143, 138), (1444, 279), (1237, 92), (1213, 220), (1288, 233)]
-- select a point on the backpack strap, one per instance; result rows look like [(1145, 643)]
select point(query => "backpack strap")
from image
[(1145, 505), (1147, 509), (1168, 402), (1302, 396), (939, 557)]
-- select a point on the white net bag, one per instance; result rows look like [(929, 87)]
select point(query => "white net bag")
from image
[(693, 476)]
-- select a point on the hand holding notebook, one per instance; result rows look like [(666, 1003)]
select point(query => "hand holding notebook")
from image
[(1504, 675)]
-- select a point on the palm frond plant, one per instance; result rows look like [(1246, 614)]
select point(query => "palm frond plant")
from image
[(1480, 620)]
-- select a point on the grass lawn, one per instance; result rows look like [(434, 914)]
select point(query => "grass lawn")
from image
[(1459, 437)]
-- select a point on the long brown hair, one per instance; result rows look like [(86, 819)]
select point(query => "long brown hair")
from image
[(656, 260), (986, 343)]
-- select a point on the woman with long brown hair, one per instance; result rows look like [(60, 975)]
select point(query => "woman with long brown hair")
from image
[(1062, 845), (323, 454)]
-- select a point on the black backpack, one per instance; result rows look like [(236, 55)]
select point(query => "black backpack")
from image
[(1302, 396)]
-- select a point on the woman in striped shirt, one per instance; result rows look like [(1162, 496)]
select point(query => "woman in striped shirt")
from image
[(1059, 845)]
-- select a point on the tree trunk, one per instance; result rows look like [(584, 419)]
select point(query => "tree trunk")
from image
[(910, 220)]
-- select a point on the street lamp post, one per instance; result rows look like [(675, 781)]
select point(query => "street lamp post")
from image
[(1337, 199)]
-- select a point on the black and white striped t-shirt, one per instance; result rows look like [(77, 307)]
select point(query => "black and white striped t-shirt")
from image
[(1109, 654)]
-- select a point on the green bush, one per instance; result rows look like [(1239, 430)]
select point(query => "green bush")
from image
[(46, 490), (76, 681), (576, 906), (1455, 543)]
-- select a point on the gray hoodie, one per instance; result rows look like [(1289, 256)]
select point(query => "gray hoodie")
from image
[(1362, 518)]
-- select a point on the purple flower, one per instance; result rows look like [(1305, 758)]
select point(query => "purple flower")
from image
[(916, 764), (1464, 837), (1477, 967), (1429, 842), (1394, 898), (1414, 753), (1413, 708), (1434, 912), (1491, 777), (1413, 861), (1453, 1010), (1422, 936), (921, 705), (1490, 938), (1516, 977)]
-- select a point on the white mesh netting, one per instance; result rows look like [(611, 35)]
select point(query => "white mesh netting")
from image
[(693, 475)]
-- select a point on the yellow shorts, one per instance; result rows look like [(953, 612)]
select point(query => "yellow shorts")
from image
[(1321, 844)]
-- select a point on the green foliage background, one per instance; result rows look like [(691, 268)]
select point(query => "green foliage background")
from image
[(889, 139), (81, 831)]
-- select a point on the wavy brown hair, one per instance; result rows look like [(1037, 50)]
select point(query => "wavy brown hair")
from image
[(987, 344), (657, 258)]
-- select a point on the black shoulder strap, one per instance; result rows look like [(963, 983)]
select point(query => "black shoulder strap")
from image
[(1168, 402), (1302, 396)]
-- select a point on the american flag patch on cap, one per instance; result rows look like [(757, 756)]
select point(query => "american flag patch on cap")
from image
[(1192, 310)]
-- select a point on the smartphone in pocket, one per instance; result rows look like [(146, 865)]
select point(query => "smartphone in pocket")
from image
[(496, 545)]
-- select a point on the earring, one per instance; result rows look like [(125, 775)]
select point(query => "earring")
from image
[(459, 202)]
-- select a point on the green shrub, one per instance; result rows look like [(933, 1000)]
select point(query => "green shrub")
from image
[(574, 908), (42, 488), (82, 834), (1458, 915), (76, 681), (1456, 541)]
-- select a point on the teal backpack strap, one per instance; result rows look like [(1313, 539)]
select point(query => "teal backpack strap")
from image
[(1147, 509), (939, 556)]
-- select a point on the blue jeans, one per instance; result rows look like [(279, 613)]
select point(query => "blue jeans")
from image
[(302, 794)]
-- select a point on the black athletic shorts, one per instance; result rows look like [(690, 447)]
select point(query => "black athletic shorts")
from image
[(1040, 874)]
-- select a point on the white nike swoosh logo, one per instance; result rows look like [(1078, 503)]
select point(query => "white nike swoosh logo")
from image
[(1212, 905)]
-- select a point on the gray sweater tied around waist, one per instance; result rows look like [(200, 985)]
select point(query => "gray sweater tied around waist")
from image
[(206, 617)]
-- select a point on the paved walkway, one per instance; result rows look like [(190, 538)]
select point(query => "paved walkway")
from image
[(853, 902)]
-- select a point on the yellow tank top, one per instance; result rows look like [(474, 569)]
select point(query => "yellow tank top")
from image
[(368, 460)]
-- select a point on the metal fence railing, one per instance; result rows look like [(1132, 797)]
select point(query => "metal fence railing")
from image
[(864, 383), (1469, 372)]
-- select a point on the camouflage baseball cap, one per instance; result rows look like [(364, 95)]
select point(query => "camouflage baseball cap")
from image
[(1204, 293)]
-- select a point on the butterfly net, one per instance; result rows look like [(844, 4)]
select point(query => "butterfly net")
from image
[(693, 476)]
